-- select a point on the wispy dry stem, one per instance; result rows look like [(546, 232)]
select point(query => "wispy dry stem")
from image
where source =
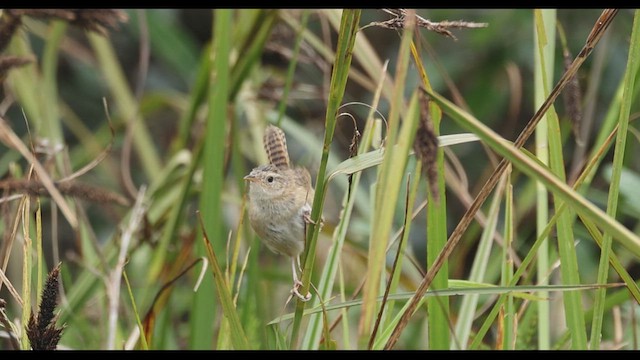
[(9, 137), (115, 278), (441, 27)]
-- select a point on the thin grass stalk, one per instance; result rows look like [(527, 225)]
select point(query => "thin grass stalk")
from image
[(115, 276), (314, 329), (630, 282), (510, 314), (469, 303), (196, 98), (568, 258), (252, 50), (252, 293), (236, 332), (333, 15), (544, 47), (26, 270), (52, 127), (339, 76), (213, 163), (457, 288), (437, 235), (438, 307), (614, 187), (399, 161), (24, 80), (126, 103), (246, 28), (404, 240), (389, 182), (368, 58), (292, 65), (143, 340), (346, 337), (170, 229), (613, 115), (387, 306), (40, 266)]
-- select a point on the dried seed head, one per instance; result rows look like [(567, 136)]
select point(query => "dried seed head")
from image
[(41, 329), (97, 20), (572, 96), (426, 146)]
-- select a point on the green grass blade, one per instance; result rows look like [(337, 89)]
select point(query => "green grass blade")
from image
[(212, 189), (568, 258), (26, 270), (52, 127), (368, 58), (544, 48), (510, 314), (388, 185), (197, 96), (614, 188), (24, 80), (346, 38), (40, 266), (126, 104), (478, 269), (521, 161), (535, 170), (327, 278), (632, 286), (405, 239), (143, 339), (375, 157), (237, 334), (385, 205), (461, 288), (292, 65), (438, 308), (252, 49), (586, 174)]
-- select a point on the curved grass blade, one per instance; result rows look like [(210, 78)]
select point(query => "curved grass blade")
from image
[(238, 337), (468, 289), (374, 158)]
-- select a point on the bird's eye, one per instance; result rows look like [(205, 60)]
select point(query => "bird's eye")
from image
[(270, 179)]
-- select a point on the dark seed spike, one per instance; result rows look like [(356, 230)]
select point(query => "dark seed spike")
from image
[(572, 96), (49, 299), (426, 146), (275, 144), (41, 329)]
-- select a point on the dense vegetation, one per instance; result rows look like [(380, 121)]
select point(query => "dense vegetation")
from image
[(125, 134)]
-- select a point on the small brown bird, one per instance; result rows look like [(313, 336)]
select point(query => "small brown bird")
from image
[(279, 202)]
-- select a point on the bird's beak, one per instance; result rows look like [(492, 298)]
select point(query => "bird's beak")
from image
[(250, 178)]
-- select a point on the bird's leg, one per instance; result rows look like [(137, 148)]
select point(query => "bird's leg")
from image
[(306, 216), (298, 262), (296, 282)]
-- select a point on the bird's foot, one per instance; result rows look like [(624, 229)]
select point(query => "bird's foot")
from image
[(294, 291)]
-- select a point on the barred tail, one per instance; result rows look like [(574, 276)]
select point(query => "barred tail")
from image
[(275, 144)]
